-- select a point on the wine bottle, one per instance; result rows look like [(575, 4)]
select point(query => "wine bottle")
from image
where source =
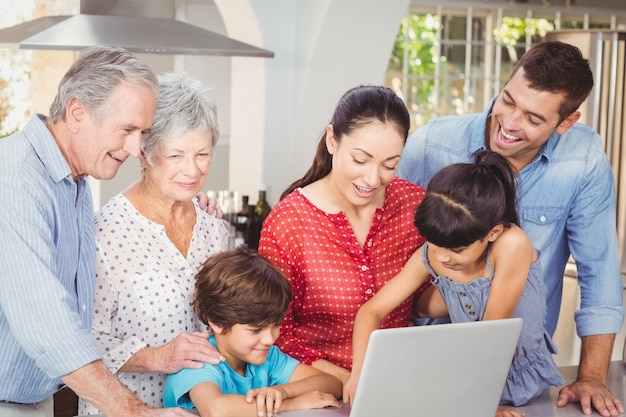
[(261, 210), (241, 223), (262, 207)]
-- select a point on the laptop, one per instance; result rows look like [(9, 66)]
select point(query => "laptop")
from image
[(455, 369)]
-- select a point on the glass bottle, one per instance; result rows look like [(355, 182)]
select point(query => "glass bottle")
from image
[(230, 215), (241, 224), (251, 236), (228, 206), (261, 210), (262, 207)]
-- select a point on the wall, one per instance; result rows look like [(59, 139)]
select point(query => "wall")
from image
[(322, 49), (273, 110), (214, 71)]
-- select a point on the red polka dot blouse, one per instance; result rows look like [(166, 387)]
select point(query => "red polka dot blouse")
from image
[(331, 274)]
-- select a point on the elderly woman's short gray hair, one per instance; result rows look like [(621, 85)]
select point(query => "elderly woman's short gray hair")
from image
[(184, 105)]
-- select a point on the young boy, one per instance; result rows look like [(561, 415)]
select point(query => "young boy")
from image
[(243, 298)]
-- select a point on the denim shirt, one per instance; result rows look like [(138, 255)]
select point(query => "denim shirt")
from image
[(566, 204), (47, 252)]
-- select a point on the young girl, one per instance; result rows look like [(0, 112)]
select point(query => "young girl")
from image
[(484, 266)]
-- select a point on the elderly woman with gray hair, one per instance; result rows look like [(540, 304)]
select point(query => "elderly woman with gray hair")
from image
[(151, 241)]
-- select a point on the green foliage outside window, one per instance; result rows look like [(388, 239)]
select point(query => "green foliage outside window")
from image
[(417, 37), (429, 81), (412, 65), (14, 90), (15, 67), (514, 30)]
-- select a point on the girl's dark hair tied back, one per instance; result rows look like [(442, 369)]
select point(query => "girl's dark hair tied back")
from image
[(464, 201)]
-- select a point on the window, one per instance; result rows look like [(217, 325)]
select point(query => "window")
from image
[(454, 59), (14, 73)]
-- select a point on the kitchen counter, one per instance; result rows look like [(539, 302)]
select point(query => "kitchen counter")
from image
[(545, 405), (542, 406)]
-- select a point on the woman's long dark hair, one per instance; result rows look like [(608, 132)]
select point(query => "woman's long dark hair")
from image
[(464, 201), (358, 107)]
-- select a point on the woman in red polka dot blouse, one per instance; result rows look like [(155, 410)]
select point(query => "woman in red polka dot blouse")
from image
[(345, 229)]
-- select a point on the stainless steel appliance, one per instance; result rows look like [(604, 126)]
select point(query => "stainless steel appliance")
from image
[(605, 109), (144, 26)]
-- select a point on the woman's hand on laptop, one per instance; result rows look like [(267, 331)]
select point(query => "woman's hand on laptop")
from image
[(349, 388)]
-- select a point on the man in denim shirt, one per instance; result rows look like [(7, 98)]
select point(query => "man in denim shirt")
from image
[(566, 196)]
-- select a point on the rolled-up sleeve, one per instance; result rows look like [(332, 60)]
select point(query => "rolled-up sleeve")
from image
[(593, 243)]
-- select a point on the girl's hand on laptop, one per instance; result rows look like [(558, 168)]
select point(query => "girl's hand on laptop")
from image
[(508, 412), (349, 388)]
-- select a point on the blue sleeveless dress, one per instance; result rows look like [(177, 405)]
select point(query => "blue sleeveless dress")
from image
[(532, 369)]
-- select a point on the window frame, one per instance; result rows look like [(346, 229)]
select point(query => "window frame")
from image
[(492, 76)]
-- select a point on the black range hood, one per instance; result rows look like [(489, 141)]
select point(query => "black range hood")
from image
[(125, 23)]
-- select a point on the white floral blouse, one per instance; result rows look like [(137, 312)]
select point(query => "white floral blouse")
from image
[(144, 289)]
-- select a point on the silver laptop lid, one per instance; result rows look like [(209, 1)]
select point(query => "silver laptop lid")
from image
[(456, 369)]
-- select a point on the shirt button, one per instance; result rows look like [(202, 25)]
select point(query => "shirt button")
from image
[(368, 291), (84, 307), (543, 219), (369, 244), (379, 217), (364, 268), (462, 294)]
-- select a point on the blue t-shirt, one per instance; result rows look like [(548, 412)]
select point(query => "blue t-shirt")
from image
[(277, 369)]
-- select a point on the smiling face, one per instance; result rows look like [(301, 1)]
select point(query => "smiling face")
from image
[(245, 343), (523, 119), (458, 259), (365, 161), (180, 166), (99, 147), (465, 262)]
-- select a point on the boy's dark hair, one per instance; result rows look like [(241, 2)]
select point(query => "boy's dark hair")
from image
[(240, 286), (558, 67), (465, 201)]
